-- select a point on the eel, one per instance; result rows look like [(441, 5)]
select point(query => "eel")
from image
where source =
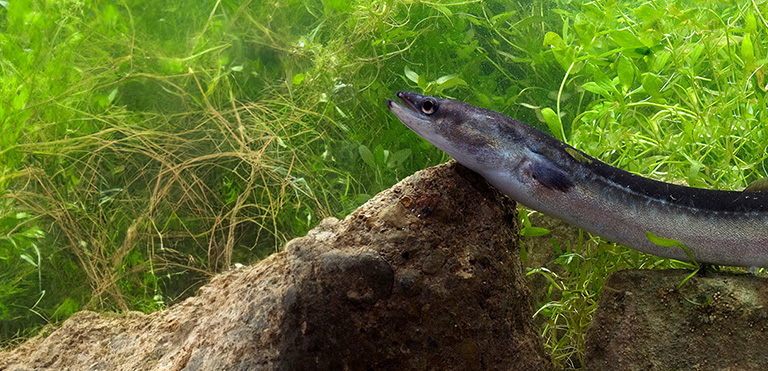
[(530, 166)]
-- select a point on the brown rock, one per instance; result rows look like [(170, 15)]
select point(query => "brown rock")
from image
[(350, 295), (715, 321)]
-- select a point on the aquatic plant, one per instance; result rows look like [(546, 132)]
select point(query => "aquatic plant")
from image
[(148, 145)]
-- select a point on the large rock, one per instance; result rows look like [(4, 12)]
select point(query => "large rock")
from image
[(424, 276), (714, 321)]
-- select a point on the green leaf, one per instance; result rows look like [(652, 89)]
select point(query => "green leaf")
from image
[(112, 95), (413, 76), (423, 85), (630, 44), (604, 82), (110, 14), (172, 65), (380, 155), (554, 40), (693, 173), (367, 156), (298, 79), (660, 61), (592, 87), (534, 231), (553, 122), (626, 71), (695, 53), (750, 24), (647, 13), (28, 259), (664, 242), (449, 81), (626, 39), (652, 85), (20, 99), (522, 214), (399, 157), (748, 53), (503, 17)]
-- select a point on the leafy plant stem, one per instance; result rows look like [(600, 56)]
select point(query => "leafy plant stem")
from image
[(560, 95)]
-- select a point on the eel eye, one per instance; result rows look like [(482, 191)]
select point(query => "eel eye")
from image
[(429, 106)]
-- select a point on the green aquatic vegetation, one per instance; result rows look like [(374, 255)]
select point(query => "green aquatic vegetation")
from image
[(674, 94), (673, 243), (138, 162), (673, 91), (149, 145)]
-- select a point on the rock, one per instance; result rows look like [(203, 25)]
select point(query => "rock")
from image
[(715, 321), (424, 276)]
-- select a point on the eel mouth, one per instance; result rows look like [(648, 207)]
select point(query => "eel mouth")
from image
[(407, 112), (408, 101)]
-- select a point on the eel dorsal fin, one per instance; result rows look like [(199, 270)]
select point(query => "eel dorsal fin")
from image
[(760, 185)]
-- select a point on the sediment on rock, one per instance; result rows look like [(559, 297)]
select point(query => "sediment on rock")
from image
[(714, 321)]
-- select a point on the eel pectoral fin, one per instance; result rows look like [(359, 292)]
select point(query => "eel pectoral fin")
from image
[(549, 174)]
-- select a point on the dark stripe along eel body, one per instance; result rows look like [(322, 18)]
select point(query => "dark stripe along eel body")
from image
[(539, 171)]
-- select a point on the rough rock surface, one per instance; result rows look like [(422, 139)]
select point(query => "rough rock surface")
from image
[(715, 321), (421, 277)]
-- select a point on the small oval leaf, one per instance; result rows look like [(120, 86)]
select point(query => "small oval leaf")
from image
[(553, 122), (367, 156), (411, 75)]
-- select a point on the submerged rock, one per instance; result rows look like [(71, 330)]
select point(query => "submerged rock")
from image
[(424, 276), (714, 321)]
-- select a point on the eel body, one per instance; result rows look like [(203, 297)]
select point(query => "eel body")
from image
[(543, 173)]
